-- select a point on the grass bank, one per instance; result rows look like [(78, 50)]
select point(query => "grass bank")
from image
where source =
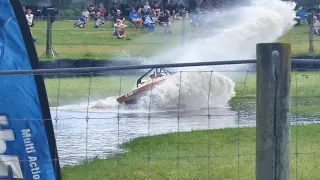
[(72, 90), (305, 92), (299, 38), (303, 85), (194, 148), (75, 43)]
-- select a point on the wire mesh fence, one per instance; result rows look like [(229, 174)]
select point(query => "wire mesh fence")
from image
[(104, 126), (197, 124)]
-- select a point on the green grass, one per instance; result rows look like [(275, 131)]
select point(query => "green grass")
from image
[(72, 90), (303, 85), (75, 43), (299, 38), (221, 144)]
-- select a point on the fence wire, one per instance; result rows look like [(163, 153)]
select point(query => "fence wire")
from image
[(189, 127)]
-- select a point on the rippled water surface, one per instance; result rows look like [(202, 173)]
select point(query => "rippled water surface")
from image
[(79, 138)]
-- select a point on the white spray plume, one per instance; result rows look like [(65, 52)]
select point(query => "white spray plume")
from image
[(190, 90), (238, 30)]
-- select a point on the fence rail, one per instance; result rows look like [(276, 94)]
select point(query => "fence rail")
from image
[(147, 66)]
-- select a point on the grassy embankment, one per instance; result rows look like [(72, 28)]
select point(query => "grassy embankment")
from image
[(221, 145), (75, 43)]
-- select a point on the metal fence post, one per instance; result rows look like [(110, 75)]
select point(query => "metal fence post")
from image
[(273, 108)]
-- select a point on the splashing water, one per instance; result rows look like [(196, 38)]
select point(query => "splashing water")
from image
[(190, 90), (243, 27), (234, 36)]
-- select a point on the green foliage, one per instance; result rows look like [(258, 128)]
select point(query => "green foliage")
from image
[(70, 14)]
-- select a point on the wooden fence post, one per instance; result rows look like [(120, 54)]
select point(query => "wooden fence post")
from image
[(273, 111), (311, 32)]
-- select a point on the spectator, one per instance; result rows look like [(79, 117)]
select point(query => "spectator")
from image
[(135, 18), (100, 15), (164, 21), (137, 5), (92, 11), (149, 22), (102, 10), (157, 10), (119, 29), (86, 14), (99, 21), (118, 16), (169, 7), (146, 7), (80, 22), (157, 5), (29, 17)]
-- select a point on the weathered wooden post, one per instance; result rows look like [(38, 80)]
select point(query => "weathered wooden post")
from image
[(273, 107)]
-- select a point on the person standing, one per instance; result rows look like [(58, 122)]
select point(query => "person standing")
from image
[(29, 17)]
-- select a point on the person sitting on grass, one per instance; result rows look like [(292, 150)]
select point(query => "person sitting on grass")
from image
[(102, 13), (165, 22), (92, 11), (80, 22), (149, 22), (99, 21), (119, 29), (135, 18)]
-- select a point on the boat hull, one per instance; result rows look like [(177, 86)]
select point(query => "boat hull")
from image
[(133, 96)]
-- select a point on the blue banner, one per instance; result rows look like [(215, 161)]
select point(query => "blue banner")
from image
[(27, 144)]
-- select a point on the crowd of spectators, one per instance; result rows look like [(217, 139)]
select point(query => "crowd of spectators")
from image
[(154, 16), (148, 17)]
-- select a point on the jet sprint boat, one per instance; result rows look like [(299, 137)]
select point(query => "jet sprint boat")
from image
[(157, 76)]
